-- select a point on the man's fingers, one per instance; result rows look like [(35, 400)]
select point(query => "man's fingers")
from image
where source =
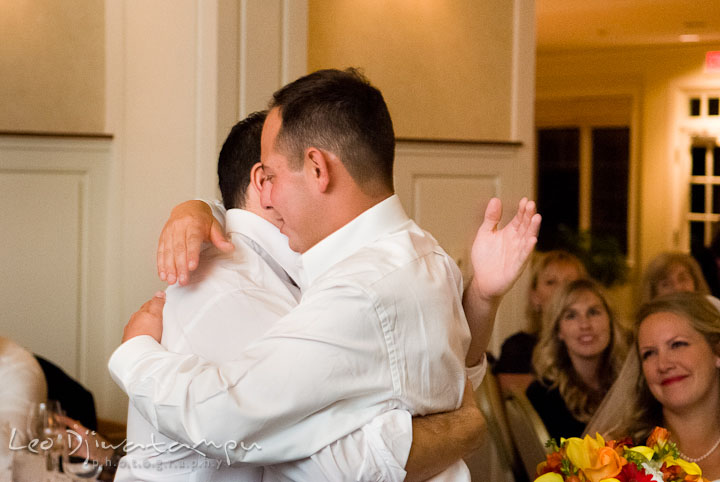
[(156, 304), (218, 238), (160, 258), (493, 214), (180, 253)]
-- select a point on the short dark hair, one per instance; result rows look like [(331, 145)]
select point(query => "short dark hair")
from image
[(341, 112), (239, 153)]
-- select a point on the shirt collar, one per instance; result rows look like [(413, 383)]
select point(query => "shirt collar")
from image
[(384, 217), (268, 236)]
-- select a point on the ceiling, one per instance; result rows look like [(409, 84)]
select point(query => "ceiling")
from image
[(589, 24)]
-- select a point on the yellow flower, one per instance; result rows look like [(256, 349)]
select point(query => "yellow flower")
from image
[(690, 468), (646, 452), (550, 477), (596, 461)]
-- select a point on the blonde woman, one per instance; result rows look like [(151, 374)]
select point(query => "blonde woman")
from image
[(671, 379), (577, 358), (549, 271), (672, 272)]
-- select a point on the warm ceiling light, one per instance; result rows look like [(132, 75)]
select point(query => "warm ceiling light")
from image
[(690, 37)]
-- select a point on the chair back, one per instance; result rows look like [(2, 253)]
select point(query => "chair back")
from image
[(528, 431), (498, 459)]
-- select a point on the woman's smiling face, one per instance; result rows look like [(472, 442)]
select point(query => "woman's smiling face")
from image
[(679, 365)]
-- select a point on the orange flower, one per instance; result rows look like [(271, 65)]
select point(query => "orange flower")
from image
[(658, 438), (608, 464)]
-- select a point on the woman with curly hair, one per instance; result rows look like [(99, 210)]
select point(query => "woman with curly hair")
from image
[(577, 358), (671, 379)]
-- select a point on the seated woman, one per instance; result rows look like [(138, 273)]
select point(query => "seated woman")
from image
[(549, 271), (576, 360), (671, 379), (23, 387), (671, 273)]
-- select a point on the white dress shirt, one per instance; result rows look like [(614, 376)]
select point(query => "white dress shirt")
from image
[(230, 301), (380, 327)]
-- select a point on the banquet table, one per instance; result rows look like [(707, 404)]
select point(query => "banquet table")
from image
[(30, 467)]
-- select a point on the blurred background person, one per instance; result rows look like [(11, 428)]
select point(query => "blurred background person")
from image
[(549, 271), (671, 272), (577, 358), (23, 387)]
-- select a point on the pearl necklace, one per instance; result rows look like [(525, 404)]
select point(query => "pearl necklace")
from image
[(703, 457)]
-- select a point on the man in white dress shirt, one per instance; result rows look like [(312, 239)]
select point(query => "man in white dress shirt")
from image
[(380, 325), (257, 281)]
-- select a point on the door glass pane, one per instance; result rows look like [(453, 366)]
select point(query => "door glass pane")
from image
[(697, 198), (698, 160), (697, 233), (716, 199), (713, 105), (716, 161), (558, 182), (694, 107)]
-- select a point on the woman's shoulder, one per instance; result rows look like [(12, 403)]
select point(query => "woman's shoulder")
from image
[(516, 353)]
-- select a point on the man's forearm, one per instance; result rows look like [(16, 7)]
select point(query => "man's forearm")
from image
[(480, 313), (441, 440)]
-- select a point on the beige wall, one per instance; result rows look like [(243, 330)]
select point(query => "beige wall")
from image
[(444, 67), (52, 65)]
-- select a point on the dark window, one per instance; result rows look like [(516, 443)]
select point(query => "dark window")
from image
[(697, 198), (698, 161), (697, 233), (716, 199), (610, 164), (694, 107), (558, 182), (713, 106)]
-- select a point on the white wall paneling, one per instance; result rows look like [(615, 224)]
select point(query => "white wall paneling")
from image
[(445, 187), (53, 190)]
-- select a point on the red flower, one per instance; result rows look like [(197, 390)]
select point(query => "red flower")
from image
[(631, 473)]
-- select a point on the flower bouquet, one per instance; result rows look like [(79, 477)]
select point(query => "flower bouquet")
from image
[(595, 460)]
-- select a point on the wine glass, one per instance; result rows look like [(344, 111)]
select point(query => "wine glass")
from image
[(45, 427), (76, 456), (82, 452)]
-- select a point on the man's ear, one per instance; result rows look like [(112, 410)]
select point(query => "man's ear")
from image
[(317, 164), (257, 177)]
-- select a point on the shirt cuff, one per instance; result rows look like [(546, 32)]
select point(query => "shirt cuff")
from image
[(477, 373), (390, 436), (124, 357)]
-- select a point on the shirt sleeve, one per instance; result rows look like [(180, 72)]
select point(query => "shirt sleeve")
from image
[(218, 210), (477, 373), (376, 452), (320, 373)]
